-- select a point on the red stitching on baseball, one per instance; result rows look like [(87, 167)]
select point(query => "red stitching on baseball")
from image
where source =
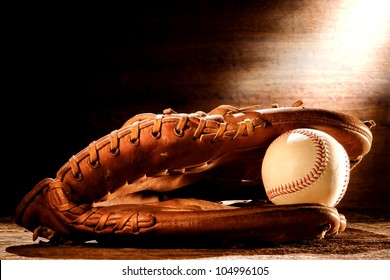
[(317, 170)]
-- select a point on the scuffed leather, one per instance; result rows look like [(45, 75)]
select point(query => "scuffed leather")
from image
[(119, 187)]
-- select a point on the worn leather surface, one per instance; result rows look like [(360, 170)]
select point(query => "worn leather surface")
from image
[(123, 186)]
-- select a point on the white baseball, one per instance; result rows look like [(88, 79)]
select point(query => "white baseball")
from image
[(305, 166)]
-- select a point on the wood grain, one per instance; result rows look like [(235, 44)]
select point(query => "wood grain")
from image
[(367, 238), (196, 55)]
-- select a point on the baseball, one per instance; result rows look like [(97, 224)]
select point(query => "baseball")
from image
[(305, 166)]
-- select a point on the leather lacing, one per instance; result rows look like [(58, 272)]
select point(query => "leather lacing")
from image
[(202, 132), (209, 128), (94, 218)]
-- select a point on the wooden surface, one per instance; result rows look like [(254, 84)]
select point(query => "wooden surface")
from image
[(94, 74), (367, 237), (84, 80)]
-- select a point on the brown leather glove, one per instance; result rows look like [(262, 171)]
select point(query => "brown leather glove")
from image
[(186, 177)]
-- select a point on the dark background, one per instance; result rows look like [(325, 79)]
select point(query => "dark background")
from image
[(73, 75)]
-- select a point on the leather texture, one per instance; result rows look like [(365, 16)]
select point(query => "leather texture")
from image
[(126, 186)]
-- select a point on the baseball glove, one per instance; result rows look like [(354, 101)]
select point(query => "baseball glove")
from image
[(176, 176)]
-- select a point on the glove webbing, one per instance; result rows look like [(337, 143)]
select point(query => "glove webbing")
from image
[(209, 128)]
